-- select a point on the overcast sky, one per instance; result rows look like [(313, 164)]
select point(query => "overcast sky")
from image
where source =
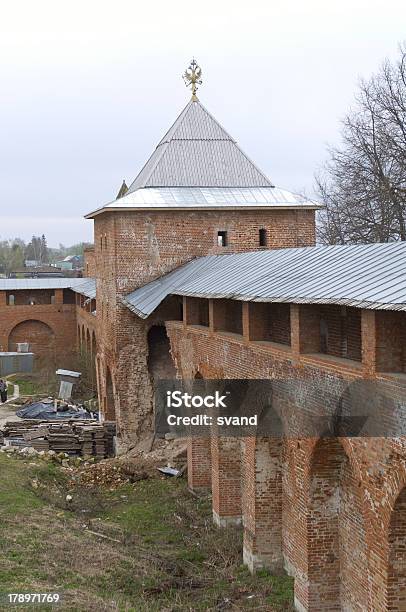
[(89, 87)]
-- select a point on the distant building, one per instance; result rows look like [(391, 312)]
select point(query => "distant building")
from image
[(64, 265), (76, 261), (71, 262)]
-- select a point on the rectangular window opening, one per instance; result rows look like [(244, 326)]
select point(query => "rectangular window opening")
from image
[(262, 238), (222, 239)]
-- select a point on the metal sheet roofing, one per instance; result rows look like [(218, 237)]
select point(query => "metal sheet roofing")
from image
[(86, 286), (364, 276), (214, 197), (198, 164), (198, 152)]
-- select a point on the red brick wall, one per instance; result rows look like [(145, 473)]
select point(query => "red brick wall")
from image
[(23, 297), (343, 331), (337, 543), (262, 502), (227, 316), (49, 328), (397, 552), (40, 336), (324, 511), (55, 331), (196, 311), (226, 479), (391, 341), (86, 332), (89, 262), (279, 323), (134, 248), (199, 463)]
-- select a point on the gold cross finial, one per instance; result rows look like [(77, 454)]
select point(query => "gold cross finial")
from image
[(193, 77)]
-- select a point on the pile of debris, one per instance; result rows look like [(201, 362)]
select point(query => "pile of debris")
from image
[(109, 474), (75, 438), (168, 458)]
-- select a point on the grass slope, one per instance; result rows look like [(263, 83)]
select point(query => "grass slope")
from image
[(160, 551)]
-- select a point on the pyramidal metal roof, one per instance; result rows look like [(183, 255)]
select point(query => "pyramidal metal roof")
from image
[(198, 152), (197, 164)]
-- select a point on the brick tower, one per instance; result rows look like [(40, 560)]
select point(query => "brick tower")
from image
[(198, 194)]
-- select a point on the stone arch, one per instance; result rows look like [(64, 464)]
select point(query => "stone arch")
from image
[(94, 345), (396, 589), (109, 401), (38, 334), (337, 555)]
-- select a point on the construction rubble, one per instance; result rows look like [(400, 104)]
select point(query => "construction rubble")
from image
[(139, 464)]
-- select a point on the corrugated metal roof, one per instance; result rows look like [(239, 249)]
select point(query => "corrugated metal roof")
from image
[(144, 300), (364, 276), (85, 286), (197, 152)]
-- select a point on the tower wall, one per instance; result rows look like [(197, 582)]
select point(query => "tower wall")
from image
[(133, 248)]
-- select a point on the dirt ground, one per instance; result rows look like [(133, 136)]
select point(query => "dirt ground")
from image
[(7, 413)]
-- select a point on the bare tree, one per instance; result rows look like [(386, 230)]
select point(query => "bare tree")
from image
[(363, 184)]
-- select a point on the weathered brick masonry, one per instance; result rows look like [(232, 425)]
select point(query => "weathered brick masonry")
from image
[(330, 511), (46, 319), (134, 248), (55, 323)]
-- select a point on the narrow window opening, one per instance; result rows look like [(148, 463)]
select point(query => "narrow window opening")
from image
[(323, 336), (101, 243), (262, 237), (344, 332), (11, 300), (222, 238), (105, 241)]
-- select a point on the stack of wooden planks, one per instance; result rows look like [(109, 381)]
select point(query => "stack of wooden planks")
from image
[(79, 438)]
